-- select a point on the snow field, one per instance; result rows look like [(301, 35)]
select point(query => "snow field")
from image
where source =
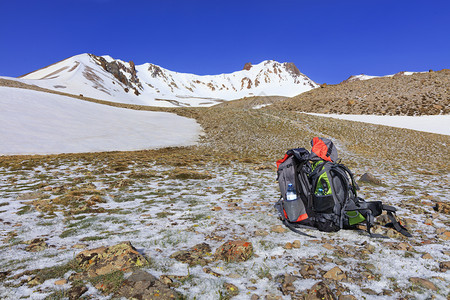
[(33, 122)]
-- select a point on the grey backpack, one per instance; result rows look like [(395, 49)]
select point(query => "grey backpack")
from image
[(325, 193)]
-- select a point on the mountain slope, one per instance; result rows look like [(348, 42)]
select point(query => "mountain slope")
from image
[(148, 84), (415, 94)]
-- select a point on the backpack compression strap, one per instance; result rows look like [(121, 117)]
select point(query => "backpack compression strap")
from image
[(374, 208), (279, 207)]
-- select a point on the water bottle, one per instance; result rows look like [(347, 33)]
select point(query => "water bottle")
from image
[(293, 207), (320, 191), (291, 195)]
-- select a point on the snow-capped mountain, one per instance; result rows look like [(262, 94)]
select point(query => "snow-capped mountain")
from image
[(105, 78), (367, 77)]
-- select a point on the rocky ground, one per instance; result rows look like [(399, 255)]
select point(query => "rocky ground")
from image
[(199, 222), (205, 229), (418, 94)]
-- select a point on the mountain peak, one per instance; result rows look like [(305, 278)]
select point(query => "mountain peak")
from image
[(106, 78)]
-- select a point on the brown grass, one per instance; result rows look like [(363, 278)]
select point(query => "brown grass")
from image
[(262, 136)]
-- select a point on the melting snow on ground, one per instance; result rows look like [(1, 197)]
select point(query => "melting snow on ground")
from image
[(34, 122), (161, 215)]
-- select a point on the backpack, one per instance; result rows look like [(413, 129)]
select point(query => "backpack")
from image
[(326, 193)]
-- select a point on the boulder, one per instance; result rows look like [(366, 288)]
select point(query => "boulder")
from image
[(234, 251), (104, 260), (371, 179), (142, 285)]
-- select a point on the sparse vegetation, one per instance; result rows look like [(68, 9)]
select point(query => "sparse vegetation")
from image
[(224, 188)]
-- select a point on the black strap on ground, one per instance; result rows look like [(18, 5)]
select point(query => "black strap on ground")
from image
[(397, 226), (288, 225)]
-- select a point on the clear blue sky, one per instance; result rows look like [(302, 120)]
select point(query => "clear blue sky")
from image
[(327, 40)]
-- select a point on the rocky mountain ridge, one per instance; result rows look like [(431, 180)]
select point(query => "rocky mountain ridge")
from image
[(105, 78)]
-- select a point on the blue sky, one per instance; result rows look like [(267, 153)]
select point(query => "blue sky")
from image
[(327, 40)]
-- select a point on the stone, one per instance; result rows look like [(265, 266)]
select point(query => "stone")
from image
[(75, 292), (296, 244), (166, 280), (196, 255), (104, 260), (369, 291), (209, 271), (231, 289), (234, 251), (3, 275), (261, 233), (254, 297), (347, 297), (371, 179), (60, 282), (335, 274), (143, 285), (423, 283), (320, 291), (272, 297), (427, 256), (308, 271), (288, 246), (278, 229), (36, 245), (383, 219), (286, 283), (404, 247), (444, 236), (442, 207), (328, 246), (444, 266)]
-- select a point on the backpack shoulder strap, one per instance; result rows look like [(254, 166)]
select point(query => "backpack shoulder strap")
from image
[(355, 186)]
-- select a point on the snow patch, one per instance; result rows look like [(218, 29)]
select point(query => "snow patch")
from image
[(439, 124), (33, 122)]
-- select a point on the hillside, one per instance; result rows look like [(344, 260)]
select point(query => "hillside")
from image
[(416, 94)]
